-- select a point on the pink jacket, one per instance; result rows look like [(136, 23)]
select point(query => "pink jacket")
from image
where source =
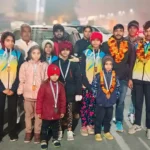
[(31, 74)]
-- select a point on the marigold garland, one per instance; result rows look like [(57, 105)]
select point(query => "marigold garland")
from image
[(112, 86), (117, 54), (140, 53)]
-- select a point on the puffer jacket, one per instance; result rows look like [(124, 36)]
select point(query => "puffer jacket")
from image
[(26, 75)]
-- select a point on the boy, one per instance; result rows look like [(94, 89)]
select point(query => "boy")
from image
[(105, 89), (71, 78), (51, 106)]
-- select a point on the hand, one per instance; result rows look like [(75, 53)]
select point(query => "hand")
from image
[(78, 98), (74, 59), (39, 116), (6, 91), (62, 116), (108, 96), (10, 93), (130, 84)]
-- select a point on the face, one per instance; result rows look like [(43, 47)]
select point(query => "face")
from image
[(54, 78), (35, 55), (108, 66), (59, 34), (133, 31), (48, 49), (118, 33), (96, 43), (26, 34), (9, 43), (147, 34), (65, 53), (87, 33)]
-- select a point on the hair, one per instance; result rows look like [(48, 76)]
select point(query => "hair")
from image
[(133, 23), (58, 27), (87, 27), (146, 25), (30, 51), (25, 26), (4, 36), (118, 26)]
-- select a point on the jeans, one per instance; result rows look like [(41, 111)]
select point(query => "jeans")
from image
[(120, 101)]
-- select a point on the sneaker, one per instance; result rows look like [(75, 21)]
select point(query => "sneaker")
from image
[(134, 129), (70, 136), (84, 131), (27, 138), (108, 136), (148, 134), (90, 130), (13, 139), (131, 118), (119, 127), (60, 135), (36, 138), (44, 145), (56, 143), (98, 137)]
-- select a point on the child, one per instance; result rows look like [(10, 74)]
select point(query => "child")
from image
[(90, 66), (10, 61), (105, 90), (32, 73), (51, 106), (71, 77), (48, 48)]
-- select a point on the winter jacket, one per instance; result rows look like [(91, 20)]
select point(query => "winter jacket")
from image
[(10, 80), (100, 96), (72, 83), (80, 46), (26, 78), (141, 71), (89, 60), (45, 101), (123, 69)]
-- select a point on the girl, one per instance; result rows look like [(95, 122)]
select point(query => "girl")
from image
[(51, 106), (71, 77), (90, 66), (48, 48), (10, 61), (105, 89), (32, 73)]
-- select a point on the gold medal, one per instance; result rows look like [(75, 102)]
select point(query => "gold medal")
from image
[(33, 87), (95, 69), (145, 61), (8, 69)]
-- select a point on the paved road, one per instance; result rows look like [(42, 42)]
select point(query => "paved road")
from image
[(122, 141)]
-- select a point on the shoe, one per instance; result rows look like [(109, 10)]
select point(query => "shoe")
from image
[(90, 130), (114, 120), (134, 129), (13, 138), (56, 143), (36, 138), (98, 137), (131, 118), (44, 145), (148, 134), (84, 131), (70, 136), (108, 136), (60, 135), (27, 138), (119, 127)]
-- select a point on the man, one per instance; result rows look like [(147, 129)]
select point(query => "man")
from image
[(124, 57), (141, 81), (133, 29), (25, 43), (82, 44)]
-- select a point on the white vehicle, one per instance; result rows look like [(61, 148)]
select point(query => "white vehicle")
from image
[(106, 34)]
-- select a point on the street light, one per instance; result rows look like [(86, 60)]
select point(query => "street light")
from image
[(131, 10)]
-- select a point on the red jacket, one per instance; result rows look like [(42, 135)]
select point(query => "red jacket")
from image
[(45, 102)]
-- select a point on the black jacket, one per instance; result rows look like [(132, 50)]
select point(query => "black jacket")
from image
[(80, 46), (73, 85), (125, 68)]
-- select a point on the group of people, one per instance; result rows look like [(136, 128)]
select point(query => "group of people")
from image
[(60, 83)]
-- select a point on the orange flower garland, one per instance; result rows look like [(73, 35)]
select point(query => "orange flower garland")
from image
[(117, 54), (112, 86), (140, 53)]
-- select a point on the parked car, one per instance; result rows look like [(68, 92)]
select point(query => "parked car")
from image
[(106, 34), (41, 32)]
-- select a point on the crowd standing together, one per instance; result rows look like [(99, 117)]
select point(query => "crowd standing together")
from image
[(59, 83)]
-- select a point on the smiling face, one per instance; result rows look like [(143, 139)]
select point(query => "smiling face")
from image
[(59, 34), (133, 31), (118, 33), (96, 43), (147, 34), (48, 49), (54, 78)]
